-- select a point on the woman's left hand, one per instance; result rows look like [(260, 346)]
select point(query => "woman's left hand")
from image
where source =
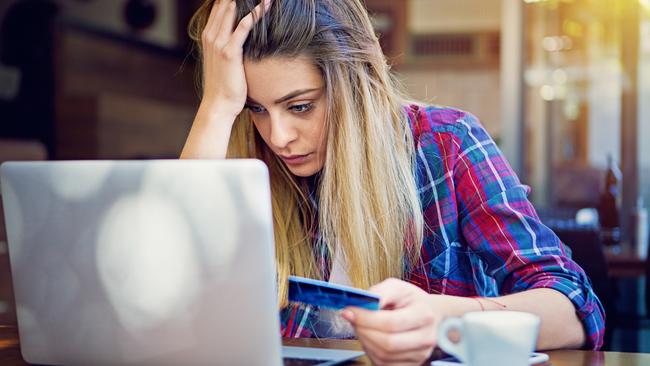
[(404, 331)]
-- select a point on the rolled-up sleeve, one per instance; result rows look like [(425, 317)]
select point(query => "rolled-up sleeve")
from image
[(499, 222)]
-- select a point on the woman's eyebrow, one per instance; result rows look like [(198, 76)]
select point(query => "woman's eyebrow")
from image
[(295, 94), (287, 97)]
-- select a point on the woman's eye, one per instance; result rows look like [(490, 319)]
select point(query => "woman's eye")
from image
[(255, 109), (302, 108)]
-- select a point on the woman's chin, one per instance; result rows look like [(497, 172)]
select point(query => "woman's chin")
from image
[(303, 171), (304, 167)]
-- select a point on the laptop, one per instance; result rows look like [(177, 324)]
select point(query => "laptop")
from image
[(160, 262)]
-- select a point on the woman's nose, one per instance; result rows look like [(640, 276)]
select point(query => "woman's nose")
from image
[(282, 133)]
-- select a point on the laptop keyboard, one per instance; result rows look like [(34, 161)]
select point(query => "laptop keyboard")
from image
[(302, 362)]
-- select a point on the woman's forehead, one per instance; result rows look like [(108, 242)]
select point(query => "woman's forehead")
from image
[(276, 77)]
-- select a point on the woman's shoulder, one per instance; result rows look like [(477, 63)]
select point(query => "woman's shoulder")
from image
[(433, 119)]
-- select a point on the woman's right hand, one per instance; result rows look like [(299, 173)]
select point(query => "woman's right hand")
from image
[(224, 81)]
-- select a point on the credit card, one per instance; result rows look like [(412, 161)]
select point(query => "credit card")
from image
[(328, 295)]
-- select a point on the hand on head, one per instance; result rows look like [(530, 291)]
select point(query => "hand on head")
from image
[(222, 49)]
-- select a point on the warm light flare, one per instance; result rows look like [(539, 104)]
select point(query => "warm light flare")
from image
[(553, 2), (73, 183), (200, 211), (147, 261)]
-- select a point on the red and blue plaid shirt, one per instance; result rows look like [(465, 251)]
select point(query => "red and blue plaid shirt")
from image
[(482, 237)]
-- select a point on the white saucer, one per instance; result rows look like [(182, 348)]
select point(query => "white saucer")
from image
[(534, 359)]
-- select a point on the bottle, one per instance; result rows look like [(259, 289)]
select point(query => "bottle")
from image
[(608, 211), (640, 221)]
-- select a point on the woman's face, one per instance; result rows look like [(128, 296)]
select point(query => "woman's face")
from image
[(287, 103)]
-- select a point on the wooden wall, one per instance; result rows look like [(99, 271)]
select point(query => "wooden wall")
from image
[(119, 99)]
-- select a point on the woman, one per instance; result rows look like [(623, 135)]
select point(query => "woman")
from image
[(415, 203)]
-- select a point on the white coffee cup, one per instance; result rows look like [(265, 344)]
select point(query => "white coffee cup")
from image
[(488, 338)]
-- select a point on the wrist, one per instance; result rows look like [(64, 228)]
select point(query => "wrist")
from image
[(464, 305), (454, 306), (457, 306), (210, 133), (219, 111)]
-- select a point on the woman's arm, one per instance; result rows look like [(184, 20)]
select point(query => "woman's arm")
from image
[(560, 326), (224, 80), (210, 134), (501, 227), (522, 257), (407, 333)]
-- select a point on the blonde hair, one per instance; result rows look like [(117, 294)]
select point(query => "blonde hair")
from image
[(369, 209)]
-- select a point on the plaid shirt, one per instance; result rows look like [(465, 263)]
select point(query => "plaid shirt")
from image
[(482, 237)]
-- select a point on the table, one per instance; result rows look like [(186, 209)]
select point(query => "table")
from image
[(10, 352), (558, 358)]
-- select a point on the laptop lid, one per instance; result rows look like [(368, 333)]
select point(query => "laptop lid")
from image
[(142, 262)]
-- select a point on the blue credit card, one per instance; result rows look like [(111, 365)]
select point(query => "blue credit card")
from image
[(328, 295)]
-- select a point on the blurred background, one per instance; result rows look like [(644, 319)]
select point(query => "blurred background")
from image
[(562, 85)]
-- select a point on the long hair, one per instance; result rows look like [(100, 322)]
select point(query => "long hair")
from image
[(369, 210)]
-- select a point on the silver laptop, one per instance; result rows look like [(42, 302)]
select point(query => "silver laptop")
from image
[(161, 262)]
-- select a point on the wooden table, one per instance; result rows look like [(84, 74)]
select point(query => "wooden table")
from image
[(558, 358), (10, 352)]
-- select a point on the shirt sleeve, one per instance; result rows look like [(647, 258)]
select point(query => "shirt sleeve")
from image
[(296, 321), (499, 222)]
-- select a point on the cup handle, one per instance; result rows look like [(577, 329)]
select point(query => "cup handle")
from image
[(454, 349)]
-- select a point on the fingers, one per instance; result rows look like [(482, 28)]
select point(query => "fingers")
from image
[(394, 292), (213, 14), (215, 19), (413, 346), (246, 24), (400, 320), (405, 335), (227, 23)]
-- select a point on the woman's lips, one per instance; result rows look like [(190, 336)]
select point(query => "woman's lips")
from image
[(294, 159)]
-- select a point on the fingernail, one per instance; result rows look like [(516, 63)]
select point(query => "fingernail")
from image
[(348, 315)]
